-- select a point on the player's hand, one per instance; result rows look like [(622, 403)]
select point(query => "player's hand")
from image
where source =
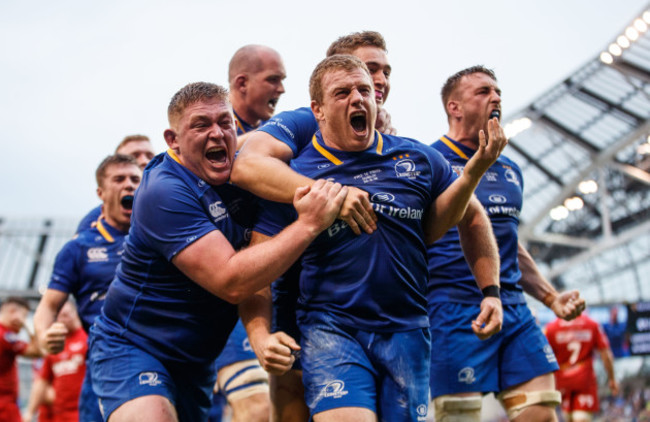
[(357, 211), (276, 352), (568, 305), (54, 338), (613, 387), (318, 205), (489, 149), (490, 319), (383, 122)]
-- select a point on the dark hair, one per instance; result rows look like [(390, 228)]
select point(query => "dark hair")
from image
[(20, 301), (453, 81)]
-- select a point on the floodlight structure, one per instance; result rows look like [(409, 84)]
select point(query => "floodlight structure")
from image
[(585, 156)]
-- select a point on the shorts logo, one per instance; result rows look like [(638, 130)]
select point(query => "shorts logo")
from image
[(97, 254), (406, 168), (550, 356), (422, 412), (497, 199), (466, 375), (335, 389), (586, 400), (149, 378), (382, 197)]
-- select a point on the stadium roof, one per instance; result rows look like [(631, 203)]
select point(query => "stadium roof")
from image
[(584, 149)]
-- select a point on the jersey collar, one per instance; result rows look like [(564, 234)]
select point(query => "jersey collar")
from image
[(104, 231), (379, 145), (453, 145)]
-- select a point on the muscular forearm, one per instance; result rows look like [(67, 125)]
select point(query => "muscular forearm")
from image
[(255, 313), (479, 246), (532, 280)]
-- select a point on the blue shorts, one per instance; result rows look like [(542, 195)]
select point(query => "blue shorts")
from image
[(461, 363), (237, 348), (122, 372), (88, 401), (384, 372)]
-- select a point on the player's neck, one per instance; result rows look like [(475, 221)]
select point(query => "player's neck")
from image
[(458, 134), (241, 113), (116, 225)]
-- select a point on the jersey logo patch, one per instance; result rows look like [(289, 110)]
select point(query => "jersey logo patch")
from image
[(149, 378), (335, 389), (422, 412), (217, 211), (511, 177), (406, 168), (497, 199), (97, 254), (382, 197), (466, 375)]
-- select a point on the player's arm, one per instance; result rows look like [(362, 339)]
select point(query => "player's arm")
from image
[(608, 363), (37, 397), (566, 305), (262, 168), (482, 254), (50, 334), (241, 274), (273, 350), (449, 207)]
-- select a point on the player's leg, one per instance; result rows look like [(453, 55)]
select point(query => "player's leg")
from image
[(288, 397), (462, 366), (145, 409), (337, 373), (242, 380), (532, 401), (526, 366), (346, 414)]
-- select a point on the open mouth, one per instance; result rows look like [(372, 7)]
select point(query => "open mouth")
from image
[(273, 102), (358, 122), (216, 155), (495, 113), (127, 202), (379, 97)]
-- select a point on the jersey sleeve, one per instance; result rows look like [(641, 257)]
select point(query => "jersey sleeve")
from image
[(295, 128), (65, 274), (441, 170), (11, 343), (90, 218), (273, 217), (170, 217), (602, 342)]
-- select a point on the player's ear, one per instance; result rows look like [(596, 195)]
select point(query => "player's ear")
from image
[(453, 108), (241, 82), (317, 110), (170, 138)]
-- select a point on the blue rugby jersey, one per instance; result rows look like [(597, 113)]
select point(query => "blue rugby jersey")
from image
[(89, 219), (501, 193), (242, 126), (378, 281), (152, 303), (86, 266), (295, 128)]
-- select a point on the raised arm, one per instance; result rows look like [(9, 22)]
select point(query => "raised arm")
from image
[(449, 208), (482, 255), (566, 305), (241, 274)]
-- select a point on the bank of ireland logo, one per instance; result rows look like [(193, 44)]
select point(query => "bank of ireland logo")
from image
[(216, 210), (466, 375), (406, 168), (335, 389), (497, 199), (382, 197), (97, 254), (149, 378)]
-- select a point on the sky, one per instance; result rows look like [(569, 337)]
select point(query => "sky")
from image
[(77, 76)]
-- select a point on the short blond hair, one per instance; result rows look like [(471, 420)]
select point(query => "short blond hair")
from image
[(193, 93), (348, 43)]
